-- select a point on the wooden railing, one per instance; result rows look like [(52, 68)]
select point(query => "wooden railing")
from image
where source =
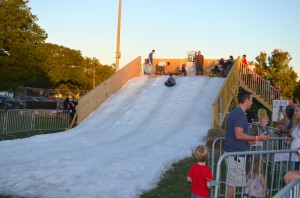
[(94, 98), (240, 76), (226, 95), (262, 90)]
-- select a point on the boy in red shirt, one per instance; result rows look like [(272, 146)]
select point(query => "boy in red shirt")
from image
[(199, 174)]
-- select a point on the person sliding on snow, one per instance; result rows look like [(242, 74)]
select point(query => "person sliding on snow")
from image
[(171, 81)]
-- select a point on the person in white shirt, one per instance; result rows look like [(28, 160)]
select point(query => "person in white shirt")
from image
[(251, 68), (160, 67)]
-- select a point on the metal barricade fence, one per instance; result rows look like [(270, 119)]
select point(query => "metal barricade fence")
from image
[(292, 190), (18, 121), (276, 142), (28, 120), (50, 119), (2, 120), (278, 162), (271, 170)]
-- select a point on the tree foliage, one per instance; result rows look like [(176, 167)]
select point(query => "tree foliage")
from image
[(20, 37), (26, 60), (277, 66)]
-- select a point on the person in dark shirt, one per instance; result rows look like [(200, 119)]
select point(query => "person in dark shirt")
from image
[(171, 81), (199, 63), (66, 102), (237, 139), (215, 72)]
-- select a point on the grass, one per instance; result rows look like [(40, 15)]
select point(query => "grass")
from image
[(26, 134), (173, 183)]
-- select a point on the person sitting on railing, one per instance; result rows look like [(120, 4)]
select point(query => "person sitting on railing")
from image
[(291, 176)]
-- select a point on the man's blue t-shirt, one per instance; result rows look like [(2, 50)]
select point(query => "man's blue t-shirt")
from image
[(236, 118), (151, 58)]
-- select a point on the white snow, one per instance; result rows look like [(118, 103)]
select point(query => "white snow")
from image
[(121, 150)]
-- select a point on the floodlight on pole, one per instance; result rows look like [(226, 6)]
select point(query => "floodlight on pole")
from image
[(118, 53)]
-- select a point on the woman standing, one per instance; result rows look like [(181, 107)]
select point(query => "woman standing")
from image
[(295, 142)]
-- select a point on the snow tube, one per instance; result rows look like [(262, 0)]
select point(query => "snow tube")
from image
[(214, 75), (169, 85), (148, 69)]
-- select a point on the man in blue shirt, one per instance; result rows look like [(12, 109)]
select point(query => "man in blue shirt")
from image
[(150, 57), (237, 140)]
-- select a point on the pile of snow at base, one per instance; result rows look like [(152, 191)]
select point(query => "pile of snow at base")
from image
[(121, 150)]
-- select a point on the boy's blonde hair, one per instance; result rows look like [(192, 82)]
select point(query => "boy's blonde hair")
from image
[(201, 153)]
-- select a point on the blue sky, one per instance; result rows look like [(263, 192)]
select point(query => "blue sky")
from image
[(218, 28)]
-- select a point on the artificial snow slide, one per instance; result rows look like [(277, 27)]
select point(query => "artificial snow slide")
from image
[(121, 150)]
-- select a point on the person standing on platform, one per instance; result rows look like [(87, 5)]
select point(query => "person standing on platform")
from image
[(199, 63), (244, 61), (150, 57)]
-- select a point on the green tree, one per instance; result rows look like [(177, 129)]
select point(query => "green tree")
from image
[(282, 72), (68, 69), (297, 91), (261, 64), (277, 66), (20, 38), (102, 72), (61, 65)]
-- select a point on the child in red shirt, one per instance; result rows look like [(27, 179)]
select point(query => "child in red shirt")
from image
[(199, 174)]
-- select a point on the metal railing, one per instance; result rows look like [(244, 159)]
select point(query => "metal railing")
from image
[(30, 120), (275, 153), (272, 170), (274, 143), (262, 89), (240, 76), (2, 120), (292, 190)]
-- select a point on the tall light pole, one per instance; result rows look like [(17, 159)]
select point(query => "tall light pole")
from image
[(118, 53)]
